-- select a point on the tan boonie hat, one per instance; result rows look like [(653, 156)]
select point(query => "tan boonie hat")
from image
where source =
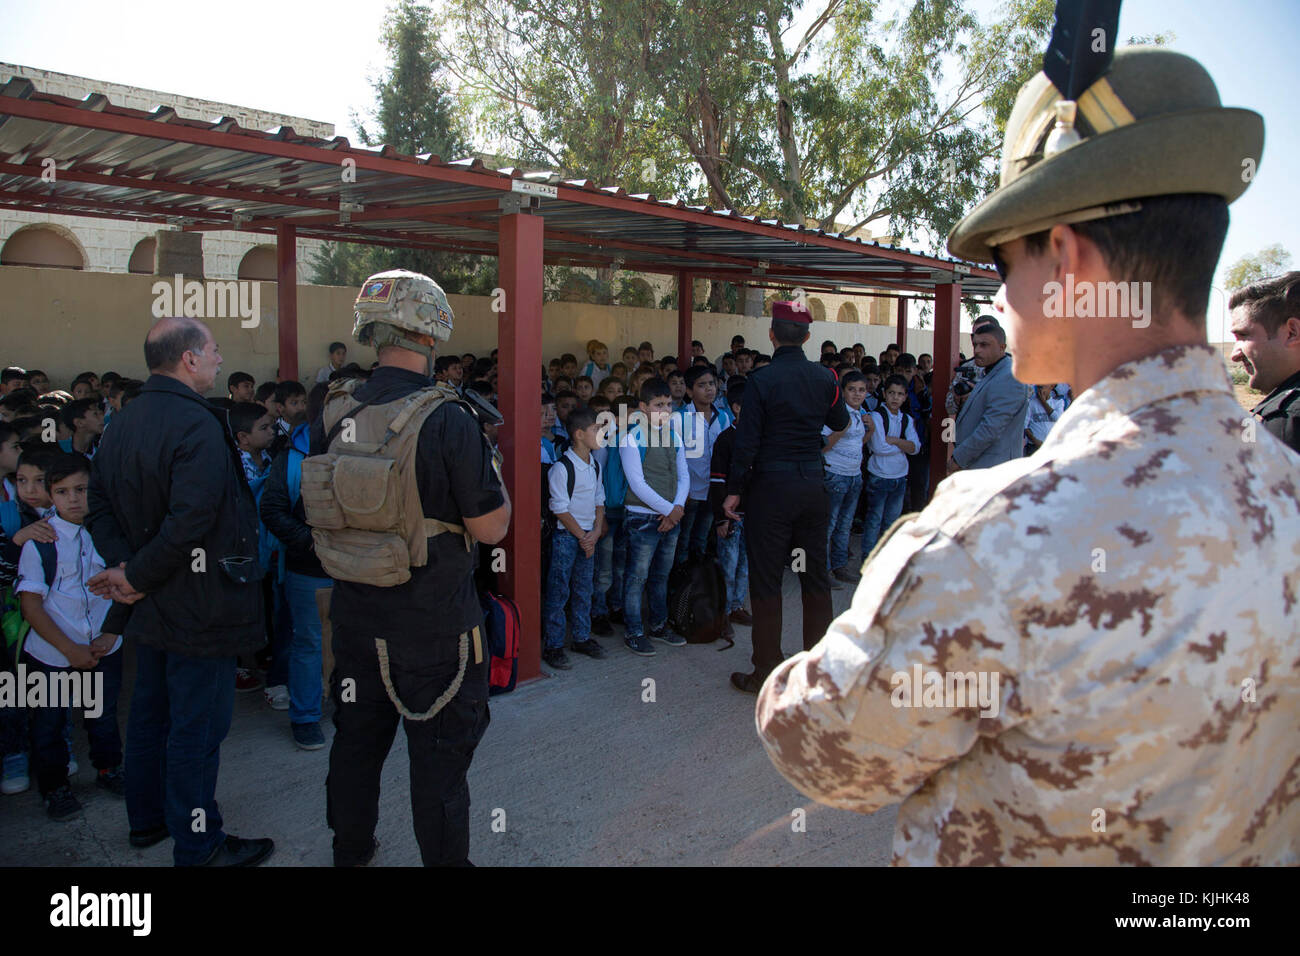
[(1152, 125), (396, 301)]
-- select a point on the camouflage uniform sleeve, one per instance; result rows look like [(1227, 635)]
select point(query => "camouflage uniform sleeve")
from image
[(835, 720)]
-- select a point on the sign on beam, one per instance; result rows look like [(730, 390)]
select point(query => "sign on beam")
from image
[(533, 189)]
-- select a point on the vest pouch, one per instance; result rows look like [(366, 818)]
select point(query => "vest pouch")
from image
[(369, 491), (317, 491), (363, 557)]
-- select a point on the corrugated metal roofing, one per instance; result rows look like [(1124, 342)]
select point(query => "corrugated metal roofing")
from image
[(112, 161)]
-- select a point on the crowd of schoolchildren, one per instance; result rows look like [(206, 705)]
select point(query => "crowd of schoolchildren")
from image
[(635, 457), (54, 623)]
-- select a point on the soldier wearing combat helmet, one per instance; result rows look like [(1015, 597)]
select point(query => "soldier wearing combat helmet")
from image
[(1086, 656), (400, 487)]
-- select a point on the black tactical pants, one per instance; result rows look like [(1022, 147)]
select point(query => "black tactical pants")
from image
[(785, 511), (441, 748)]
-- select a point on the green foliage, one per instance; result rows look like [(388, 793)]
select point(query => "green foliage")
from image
[(414, 114), (850, 120), (1271, 261)]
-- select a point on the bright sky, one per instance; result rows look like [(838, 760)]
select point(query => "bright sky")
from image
[(316, 60)]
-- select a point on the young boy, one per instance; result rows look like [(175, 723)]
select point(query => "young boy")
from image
[(241, 387), (577, 499), (658, 481), (569, 366), (565, 402), (611, 549), (584, 388), (699, 423), (677, 390), (630, 358), (84, 418), (843, 455), (254, 431), (299, 576), (66, 621), (731, 534), (597, 368), (892, 438), (292, 399), (265, 396), (611, 388), (9, 452)]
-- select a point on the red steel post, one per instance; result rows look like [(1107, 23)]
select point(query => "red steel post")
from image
[(286, 271), (947, 343), (519, 337)]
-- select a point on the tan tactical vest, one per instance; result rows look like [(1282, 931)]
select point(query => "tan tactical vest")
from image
[(361, 496)]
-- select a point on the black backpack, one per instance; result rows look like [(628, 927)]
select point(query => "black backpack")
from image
[(571, 479), (697, 600)]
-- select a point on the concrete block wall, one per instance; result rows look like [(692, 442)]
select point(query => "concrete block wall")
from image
[(66, 322)]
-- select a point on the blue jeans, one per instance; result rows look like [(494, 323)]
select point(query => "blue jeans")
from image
[(843, 491), (49, 725), (611, 559), (735, 566), (649, 559), (695, 527), (305, 651), (884, 505), (180, 714), (569, 583)]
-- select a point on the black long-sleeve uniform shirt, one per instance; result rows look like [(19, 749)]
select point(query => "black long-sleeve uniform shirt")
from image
[(786, 404)]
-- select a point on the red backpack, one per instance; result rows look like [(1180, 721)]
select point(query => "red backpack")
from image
[(501, 616)]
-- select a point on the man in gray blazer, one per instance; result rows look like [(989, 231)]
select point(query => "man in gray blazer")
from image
[(990, 424)]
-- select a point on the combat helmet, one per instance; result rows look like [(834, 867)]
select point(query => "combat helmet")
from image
[(393, 304)]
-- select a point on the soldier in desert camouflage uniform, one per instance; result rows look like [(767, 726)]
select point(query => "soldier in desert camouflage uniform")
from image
[(1134, 586)]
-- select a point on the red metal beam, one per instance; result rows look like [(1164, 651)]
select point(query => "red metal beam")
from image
[(168, 186), (286, 270), (947, 343), (902, 325), (685, 306), (140, 209), (373, 213), (246, 141), (519, 339)]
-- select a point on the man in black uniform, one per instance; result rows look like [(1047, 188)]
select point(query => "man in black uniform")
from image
[(777, 461), (1266, 325), (403, 647)]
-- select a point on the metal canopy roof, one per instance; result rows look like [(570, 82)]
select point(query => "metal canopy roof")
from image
[(114, 162)]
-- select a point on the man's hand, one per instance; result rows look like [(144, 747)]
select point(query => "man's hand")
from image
[(723, 528), (41, 531), (952, 462), (112, 584), (102, 646), (81, 657), (729, 506), (675, 516)]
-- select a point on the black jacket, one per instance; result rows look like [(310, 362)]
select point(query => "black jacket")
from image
[(289, 525), (1280, 411), (786, 404), (168, 480)]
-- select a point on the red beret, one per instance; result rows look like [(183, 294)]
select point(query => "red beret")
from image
[(791, 312)]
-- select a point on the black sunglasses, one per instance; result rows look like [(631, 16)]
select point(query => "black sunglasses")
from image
[(999, 264)]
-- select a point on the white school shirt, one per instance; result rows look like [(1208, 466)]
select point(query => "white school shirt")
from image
[(77, 612), (629, 454), (845, 457), (588, 490), (888, 461), (1039, 421)]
